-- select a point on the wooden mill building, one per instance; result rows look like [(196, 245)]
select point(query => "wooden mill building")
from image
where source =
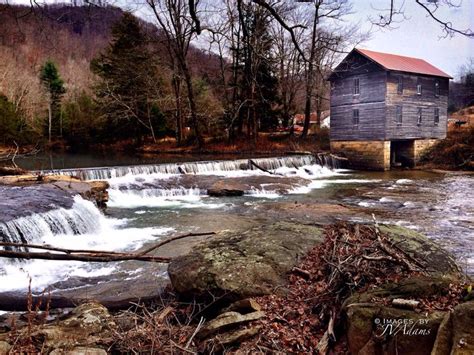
[(386, 109)]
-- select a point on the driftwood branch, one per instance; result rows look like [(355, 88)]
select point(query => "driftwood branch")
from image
[(400, 257), (87, 255), (160, 244)]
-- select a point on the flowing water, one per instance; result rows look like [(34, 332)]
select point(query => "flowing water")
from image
[(151, 201)]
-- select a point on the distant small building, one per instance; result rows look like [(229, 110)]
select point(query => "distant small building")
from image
[(386, 109)]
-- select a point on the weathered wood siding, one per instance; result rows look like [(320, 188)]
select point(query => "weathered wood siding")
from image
[(410, 101), (370, 101)]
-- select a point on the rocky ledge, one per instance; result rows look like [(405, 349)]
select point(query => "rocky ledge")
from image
[(27, 194)]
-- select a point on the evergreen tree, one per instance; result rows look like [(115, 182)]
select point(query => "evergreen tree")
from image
[(54, 85), (127, 72), (268, 99)]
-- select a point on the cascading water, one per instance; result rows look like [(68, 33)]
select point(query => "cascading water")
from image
[(200, 167), (83, 226), (83, 218), (185, 184)]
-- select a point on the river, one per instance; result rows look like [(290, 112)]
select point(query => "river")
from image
[(153, 200)]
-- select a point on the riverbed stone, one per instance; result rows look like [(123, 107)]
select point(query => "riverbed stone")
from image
[(237, 265), (4, 347), (226, 188), (80, 350), (87, 325), (241, 185)]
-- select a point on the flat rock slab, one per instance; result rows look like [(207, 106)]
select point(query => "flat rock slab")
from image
[(317, 212), (25, 195), (21, 201), (243, 264), (228, 319)]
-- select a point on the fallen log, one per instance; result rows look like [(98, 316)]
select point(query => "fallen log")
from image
[(88, 255)]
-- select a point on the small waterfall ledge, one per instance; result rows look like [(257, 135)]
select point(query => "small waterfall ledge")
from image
[(83, 217), (200, 167)]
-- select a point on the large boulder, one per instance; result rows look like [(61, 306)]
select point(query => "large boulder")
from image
[(242, 264)]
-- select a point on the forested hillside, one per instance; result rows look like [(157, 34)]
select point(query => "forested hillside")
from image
[(70, 37)]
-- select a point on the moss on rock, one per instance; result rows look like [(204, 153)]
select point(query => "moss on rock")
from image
[(239, 265)]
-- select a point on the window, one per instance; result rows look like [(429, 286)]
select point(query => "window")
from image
[(399, 115), (418, 87), (400, 85), (437, 88), (436, 116), (356, 87), (355, 116), (419, 116)]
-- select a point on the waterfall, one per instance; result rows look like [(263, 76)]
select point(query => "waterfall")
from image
[(82, 218), (200, 167), (329, 160)]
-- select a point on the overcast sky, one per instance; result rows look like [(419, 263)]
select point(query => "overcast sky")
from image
[(417, 36)]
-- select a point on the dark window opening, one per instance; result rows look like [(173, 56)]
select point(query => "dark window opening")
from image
[(355, 116), (418, 89), (436, 116), (400, 85), (356, 87), (399, 115), (419, 116), (437, 88)]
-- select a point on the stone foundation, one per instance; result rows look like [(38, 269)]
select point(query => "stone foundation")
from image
[(421, 146), (378, 155), (366, 155)]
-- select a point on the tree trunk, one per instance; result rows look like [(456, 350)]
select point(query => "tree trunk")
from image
[(60, 122), (150, 123), (178, 114), (50, 120), (192, 104), (310, 76)]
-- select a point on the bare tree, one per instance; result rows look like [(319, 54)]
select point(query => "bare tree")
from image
[(290, 63), (394, 12), (320, 43), (174, 19)]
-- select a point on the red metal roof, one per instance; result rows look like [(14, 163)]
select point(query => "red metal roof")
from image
[(402, 63)]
